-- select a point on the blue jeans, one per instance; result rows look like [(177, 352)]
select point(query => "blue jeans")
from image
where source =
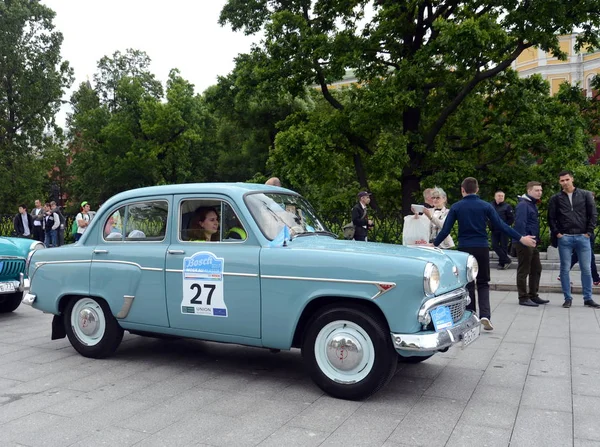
[(50, 239), (579, 244)]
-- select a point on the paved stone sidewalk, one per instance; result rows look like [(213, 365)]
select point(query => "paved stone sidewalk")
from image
[(534, 381)]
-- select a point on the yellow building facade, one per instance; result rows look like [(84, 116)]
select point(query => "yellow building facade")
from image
[(578, 69)]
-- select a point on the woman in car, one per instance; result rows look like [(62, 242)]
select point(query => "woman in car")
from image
[(205, 225)]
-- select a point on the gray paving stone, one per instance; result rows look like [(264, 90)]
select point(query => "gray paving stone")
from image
[(294, 437), (543, 428), (521, 336), (326, 414), (585, 340), (585, 415), (412, 430), (39, 420), (477, 435), (514, 352), (552, 345), (585, 381), (505, 374), (510, 396), (550, 365), (22, 405), (363, 430), (162, 415), (455, 383), (585, 443), (409, 385), (547, 393), (428, 369), (489, 414), (474, 358), (111, 436), (585, 358)]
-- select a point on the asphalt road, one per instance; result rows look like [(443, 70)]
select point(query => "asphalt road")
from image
[(533, 381)]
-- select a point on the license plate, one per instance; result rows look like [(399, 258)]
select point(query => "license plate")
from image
[(7, 287), (470, 336)]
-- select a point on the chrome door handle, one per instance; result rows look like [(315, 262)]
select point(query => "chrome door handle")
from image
[(176, 252), (100, 251)]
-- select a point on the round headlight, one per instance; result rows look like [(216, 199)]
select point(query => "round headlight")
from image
[(32, 249), (431, 278), (472, 268)]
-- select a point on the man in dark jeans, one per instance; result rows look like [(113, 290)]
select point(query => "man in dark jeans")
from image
[(572, 218), (361, 221), (527, 222), (500, 239), (473, 215)]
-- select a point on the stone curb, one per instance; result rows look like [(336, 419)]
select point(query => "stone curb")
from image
[(544, 288)]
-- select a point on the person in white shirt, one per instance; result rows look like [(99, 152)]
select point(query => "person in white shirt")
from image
[(83, 220), (38, 220)]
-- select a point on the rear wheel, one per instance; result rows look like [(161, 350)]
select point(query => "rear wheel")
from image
[(10, 302), (349, 352), (92, 329)]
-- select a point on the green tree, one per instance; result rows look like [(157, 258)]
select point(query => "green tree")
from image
[(419, 63), (33, 77)]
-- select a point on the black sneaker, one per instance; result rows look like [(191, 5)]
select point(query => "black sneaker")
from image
[(538, 300), (591, 303), (567, 303)]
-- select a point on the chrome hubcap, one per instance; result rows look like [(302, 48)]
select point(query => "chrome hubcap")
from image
[(88, 321), (344, 351)]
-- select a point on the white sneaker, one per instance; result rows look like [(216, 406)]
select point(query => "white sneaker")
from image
[(487, 324)]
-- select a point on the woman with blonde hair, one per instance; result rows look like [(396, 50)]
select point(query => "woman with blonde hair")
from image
[(437, 215)]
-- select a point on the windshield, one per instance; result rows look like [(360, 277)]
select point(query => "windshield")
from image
[(273, 211)]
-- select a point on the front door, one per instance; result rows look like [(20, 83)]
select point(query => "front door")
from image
[(212, 269)]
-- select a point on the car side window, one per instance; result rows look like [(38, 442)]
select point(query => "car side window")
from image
[(140, 221), (207, 220)]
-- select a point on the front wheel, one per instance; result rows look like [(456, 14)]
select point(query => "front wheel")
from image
[(10, 302), (349, 352), (92, 329)]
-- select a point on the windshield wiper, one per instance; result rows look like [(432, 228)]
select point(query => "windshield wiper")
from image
[(324, 233)]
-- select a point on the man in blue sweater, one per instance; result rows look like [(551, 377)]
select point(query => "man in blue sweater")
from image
[(530, 267), (473, 214)]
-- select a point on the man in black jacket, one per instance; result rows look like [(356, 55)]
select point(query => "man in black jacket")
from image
[(23, 223), (572, 218), (500, 239), (360, 219)]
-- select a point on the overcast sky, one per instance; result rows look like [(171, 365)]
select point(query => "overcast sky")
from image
[(181, 34)]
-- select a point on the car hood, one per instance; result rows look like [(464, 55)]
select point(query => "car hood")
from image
[(428, 254), (398, 258), (14, 247)]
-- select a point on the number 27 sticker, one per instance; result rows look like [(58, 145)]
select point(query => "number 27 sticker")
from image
[(203, 285)]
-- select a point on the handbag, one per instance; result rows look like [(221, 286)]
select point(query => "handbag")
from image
[(416, 230), (349, 228)]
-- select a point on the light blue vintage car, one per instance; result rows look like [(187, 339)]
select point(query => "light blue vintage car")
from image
[(14, 253), (254, 265)]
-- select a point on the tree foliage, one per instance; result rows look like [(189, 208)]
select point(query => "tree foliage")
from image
[(436, 94), (33, 77)]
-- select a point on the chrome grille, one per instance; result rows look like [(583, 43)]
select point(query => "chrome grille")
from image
[(10, 268)]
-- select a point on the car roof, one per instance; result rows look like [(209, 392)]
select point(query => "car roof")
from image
[(235, 190)]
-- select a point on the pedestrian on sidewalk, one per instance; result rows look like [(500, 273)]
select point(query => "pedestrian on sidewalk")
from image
[(572, 218), (472, 215), (360, 219), (500, 239), (527, 221)]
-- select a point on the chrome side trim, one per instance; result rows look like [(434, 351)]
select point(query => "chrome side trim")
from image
[(127, 302), (434, 341), (449, 297), (247, 275), (106, 261), (348, 281)]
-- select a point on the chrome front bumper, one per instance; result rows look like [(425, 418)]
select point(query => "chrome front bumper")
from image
[(28, 298), (435, 341)]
